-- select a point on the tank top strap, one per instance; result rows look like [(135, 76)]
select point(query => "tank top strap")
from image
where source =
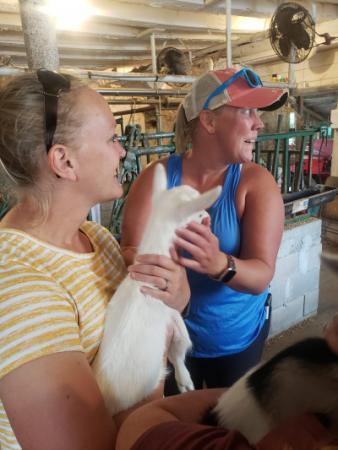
[(174, 171)]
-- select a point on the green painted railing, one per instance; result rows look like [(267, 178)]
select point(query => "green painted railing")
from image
[(281, 155), (285, 162)]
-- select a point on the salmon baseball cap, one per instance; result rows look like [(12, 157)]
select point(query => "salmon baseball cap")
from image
[(241, 88)]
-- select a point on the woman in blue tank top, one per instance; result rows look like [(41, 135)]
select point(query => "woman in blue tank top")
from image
[(230, 258)]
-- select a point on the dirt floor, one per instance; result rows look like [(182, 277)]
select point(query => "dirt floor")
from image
[(313, 326)]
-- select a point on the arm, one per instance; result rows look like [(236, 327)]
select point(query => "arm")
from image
[(174, 423), (166, 274), (54, 402), (46, 384), (136, 212), (189, 407), (260, 207)]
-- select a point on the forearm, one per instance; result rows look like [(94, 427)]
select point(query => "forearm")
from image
[(128, 254), (189, 407), (252, 275)]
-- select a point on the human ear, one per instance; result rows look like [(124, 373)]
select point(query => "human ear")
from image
[(207, 120), (61, 163)]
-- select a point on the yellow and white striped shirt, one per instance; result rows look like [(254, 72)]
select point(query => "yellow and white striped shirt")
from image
[(52, 300)]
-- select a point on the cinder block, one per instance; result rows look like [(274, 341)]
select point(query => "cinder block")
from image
[(299, 284), (301, 237), (311, 301), (278, 292), (286, 265), (309, 258), (284, 317)]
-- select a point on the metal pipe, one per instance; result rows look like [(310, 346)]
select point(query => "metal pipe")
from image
[(105, 75), (142, 92), (228, 33), (139, 101), (292, 68), (127, 112), (102, 75), (153, 53), (314, 11)]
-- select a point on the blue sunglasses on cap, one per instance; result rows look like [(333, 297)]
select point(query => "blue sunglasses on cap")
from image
[(249, 76)]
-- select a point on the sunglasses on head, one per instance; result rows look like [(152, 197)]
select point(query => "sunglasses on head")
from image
[(53, 84), (251, 78)]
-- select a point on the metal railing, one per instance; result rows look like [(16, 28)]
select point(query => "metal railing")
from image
[(284, 159)]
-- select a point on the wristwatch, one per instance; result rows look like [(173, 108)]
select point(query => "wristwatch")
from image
[(228, 272)]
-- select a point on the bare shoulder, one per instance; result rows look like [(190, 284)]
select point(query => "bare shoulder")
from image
[(256, 179), (254, 175), (256, 187), (54, 402)]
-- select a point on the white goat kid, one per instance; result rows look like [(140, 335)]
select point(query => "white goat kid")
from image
[(130, 362)]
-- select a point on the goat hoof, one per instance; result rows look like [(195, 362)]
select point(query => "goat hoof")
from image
[(186, 387)]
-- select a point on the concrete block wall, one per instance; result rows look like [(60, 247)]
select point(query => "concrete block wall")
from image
[(295, 286)]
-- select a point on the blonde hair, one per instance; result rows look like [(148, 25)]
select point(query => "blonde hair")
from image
[(184, 130), (23, 152)]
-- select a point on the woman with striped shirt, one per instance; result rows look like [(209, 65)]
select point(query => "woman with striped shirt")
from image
[(57, 271)]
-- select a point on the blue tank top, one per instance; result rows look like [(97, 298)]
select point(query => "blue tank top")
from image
[(221, 320)]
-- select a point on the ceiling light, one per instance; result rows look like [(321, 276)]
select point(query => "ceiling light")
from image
[(69, 14)]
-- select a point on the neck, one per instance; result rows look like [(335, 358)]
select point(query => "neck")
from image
[(203, 173), (60, 227)]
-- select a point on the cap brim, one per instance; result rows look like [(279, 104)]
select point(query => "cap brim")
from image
[(263, 98)]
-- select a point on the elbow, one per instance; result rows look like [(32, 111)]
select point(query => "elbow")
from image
[(264, 282)]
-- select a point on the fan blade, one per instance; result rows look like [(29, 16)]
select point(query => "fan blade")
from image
[(299, 36), (284, 46), (283, 19)]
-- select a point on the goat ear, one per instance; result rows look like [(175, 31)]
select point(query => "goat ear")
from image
[(203, 201), (330, 260), (160, 179)]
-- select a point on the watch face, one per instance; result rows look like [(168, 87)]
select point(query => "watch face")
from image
[(231, 270), (230, 273)]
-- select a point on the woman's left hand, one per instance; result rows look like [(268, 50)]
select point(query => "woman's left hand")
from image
[(167, 276), (198, 240)]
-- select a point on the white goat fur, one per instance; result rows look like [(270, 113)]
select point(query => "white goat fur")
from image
[(130, 362)]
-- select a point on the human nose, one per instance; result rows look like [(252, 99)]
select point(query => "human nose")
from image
[(258, 123), (122, 151)]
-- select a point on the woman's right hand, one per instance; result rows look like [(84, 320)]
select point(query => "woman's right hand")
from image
[(199, 240)]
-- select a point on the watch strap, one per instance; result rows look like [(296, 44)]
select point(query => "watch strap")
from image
[(228, 272)]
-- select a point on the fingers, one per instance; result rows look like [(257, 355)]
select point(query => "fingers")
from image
[(191, 264), (155, 260), (173, 254), (193, 230), (156, 281), (164, 278)]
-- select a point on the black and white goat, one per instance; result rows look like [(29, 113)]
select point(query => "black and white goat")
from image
[(301, 378), (129, 364)]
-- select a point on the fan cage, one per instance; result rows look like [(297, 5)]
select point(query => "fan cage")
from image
[(292, 32)]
